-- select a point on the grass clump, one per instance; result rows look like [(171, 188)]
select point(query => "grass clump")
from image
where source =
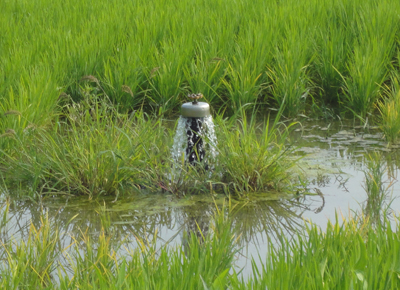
[(94, 150), (250, 158), (91, 150), (255, 157)]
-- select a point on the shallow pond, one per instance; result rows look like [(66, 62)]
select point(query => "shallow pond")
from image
[(333, 160)]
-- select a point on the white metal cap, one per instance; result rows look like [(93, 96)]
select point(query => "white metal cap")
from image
[(198, 110)]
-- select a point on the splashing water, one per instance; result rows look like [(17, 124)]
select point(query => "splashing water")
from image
[(179, 148), (210, 139), (182, 140)]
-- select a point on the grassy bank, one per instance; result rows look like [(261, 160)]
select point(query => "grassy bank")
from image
[(349, 255)]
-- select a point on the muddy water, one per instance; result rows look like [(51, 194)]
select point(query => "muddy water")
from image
[(333, 160)]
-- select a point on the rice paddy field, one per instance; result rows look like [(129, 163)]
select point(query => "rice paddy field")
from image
[(302, 192), (306, 55)]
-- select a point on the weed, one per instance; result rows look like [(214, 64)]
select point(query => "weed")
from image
[(254, 157)]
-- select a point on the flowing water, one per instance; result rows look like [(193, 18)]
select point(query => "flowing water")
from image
[(182, 141), (333, 160)]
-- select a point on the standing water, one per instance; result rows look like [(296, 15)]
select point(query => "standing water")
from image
[(333, 160)]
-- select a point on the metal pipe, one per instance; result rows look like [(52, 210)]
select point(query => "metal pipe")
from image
[(195, 112)]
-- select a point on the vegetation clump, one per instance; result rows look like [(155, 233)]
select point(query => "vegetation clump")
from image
[(256, 157), (92, 149)]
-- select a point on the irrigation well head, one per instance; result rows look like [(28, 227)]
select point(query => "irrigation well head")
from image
[(195, 109), (195, 112)]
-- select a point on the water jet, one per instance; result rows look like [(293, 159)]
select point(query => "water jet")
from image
[(195, 137)]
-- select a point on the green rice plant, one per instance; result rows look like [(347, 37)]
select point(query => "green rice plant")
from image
[(332, 43), (33, 102), (166, 77), (389, 109), (150, 58), (127, 90), (376, 187), (376, 28), (290, 81), (245, 81), (37, 67), (30, 264), (255, 157), (93, 266), (346, 256), (206, 76)]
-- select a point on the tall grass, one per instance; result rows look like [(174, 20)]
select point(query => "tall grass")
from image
[(376, 28), (333, 41), (255, 157), (92, 150), (291, 83), (252, 52), (246, 82)]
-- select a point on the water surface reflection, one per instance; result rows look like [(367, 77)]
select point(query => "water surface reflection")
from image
[(333, 161)]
